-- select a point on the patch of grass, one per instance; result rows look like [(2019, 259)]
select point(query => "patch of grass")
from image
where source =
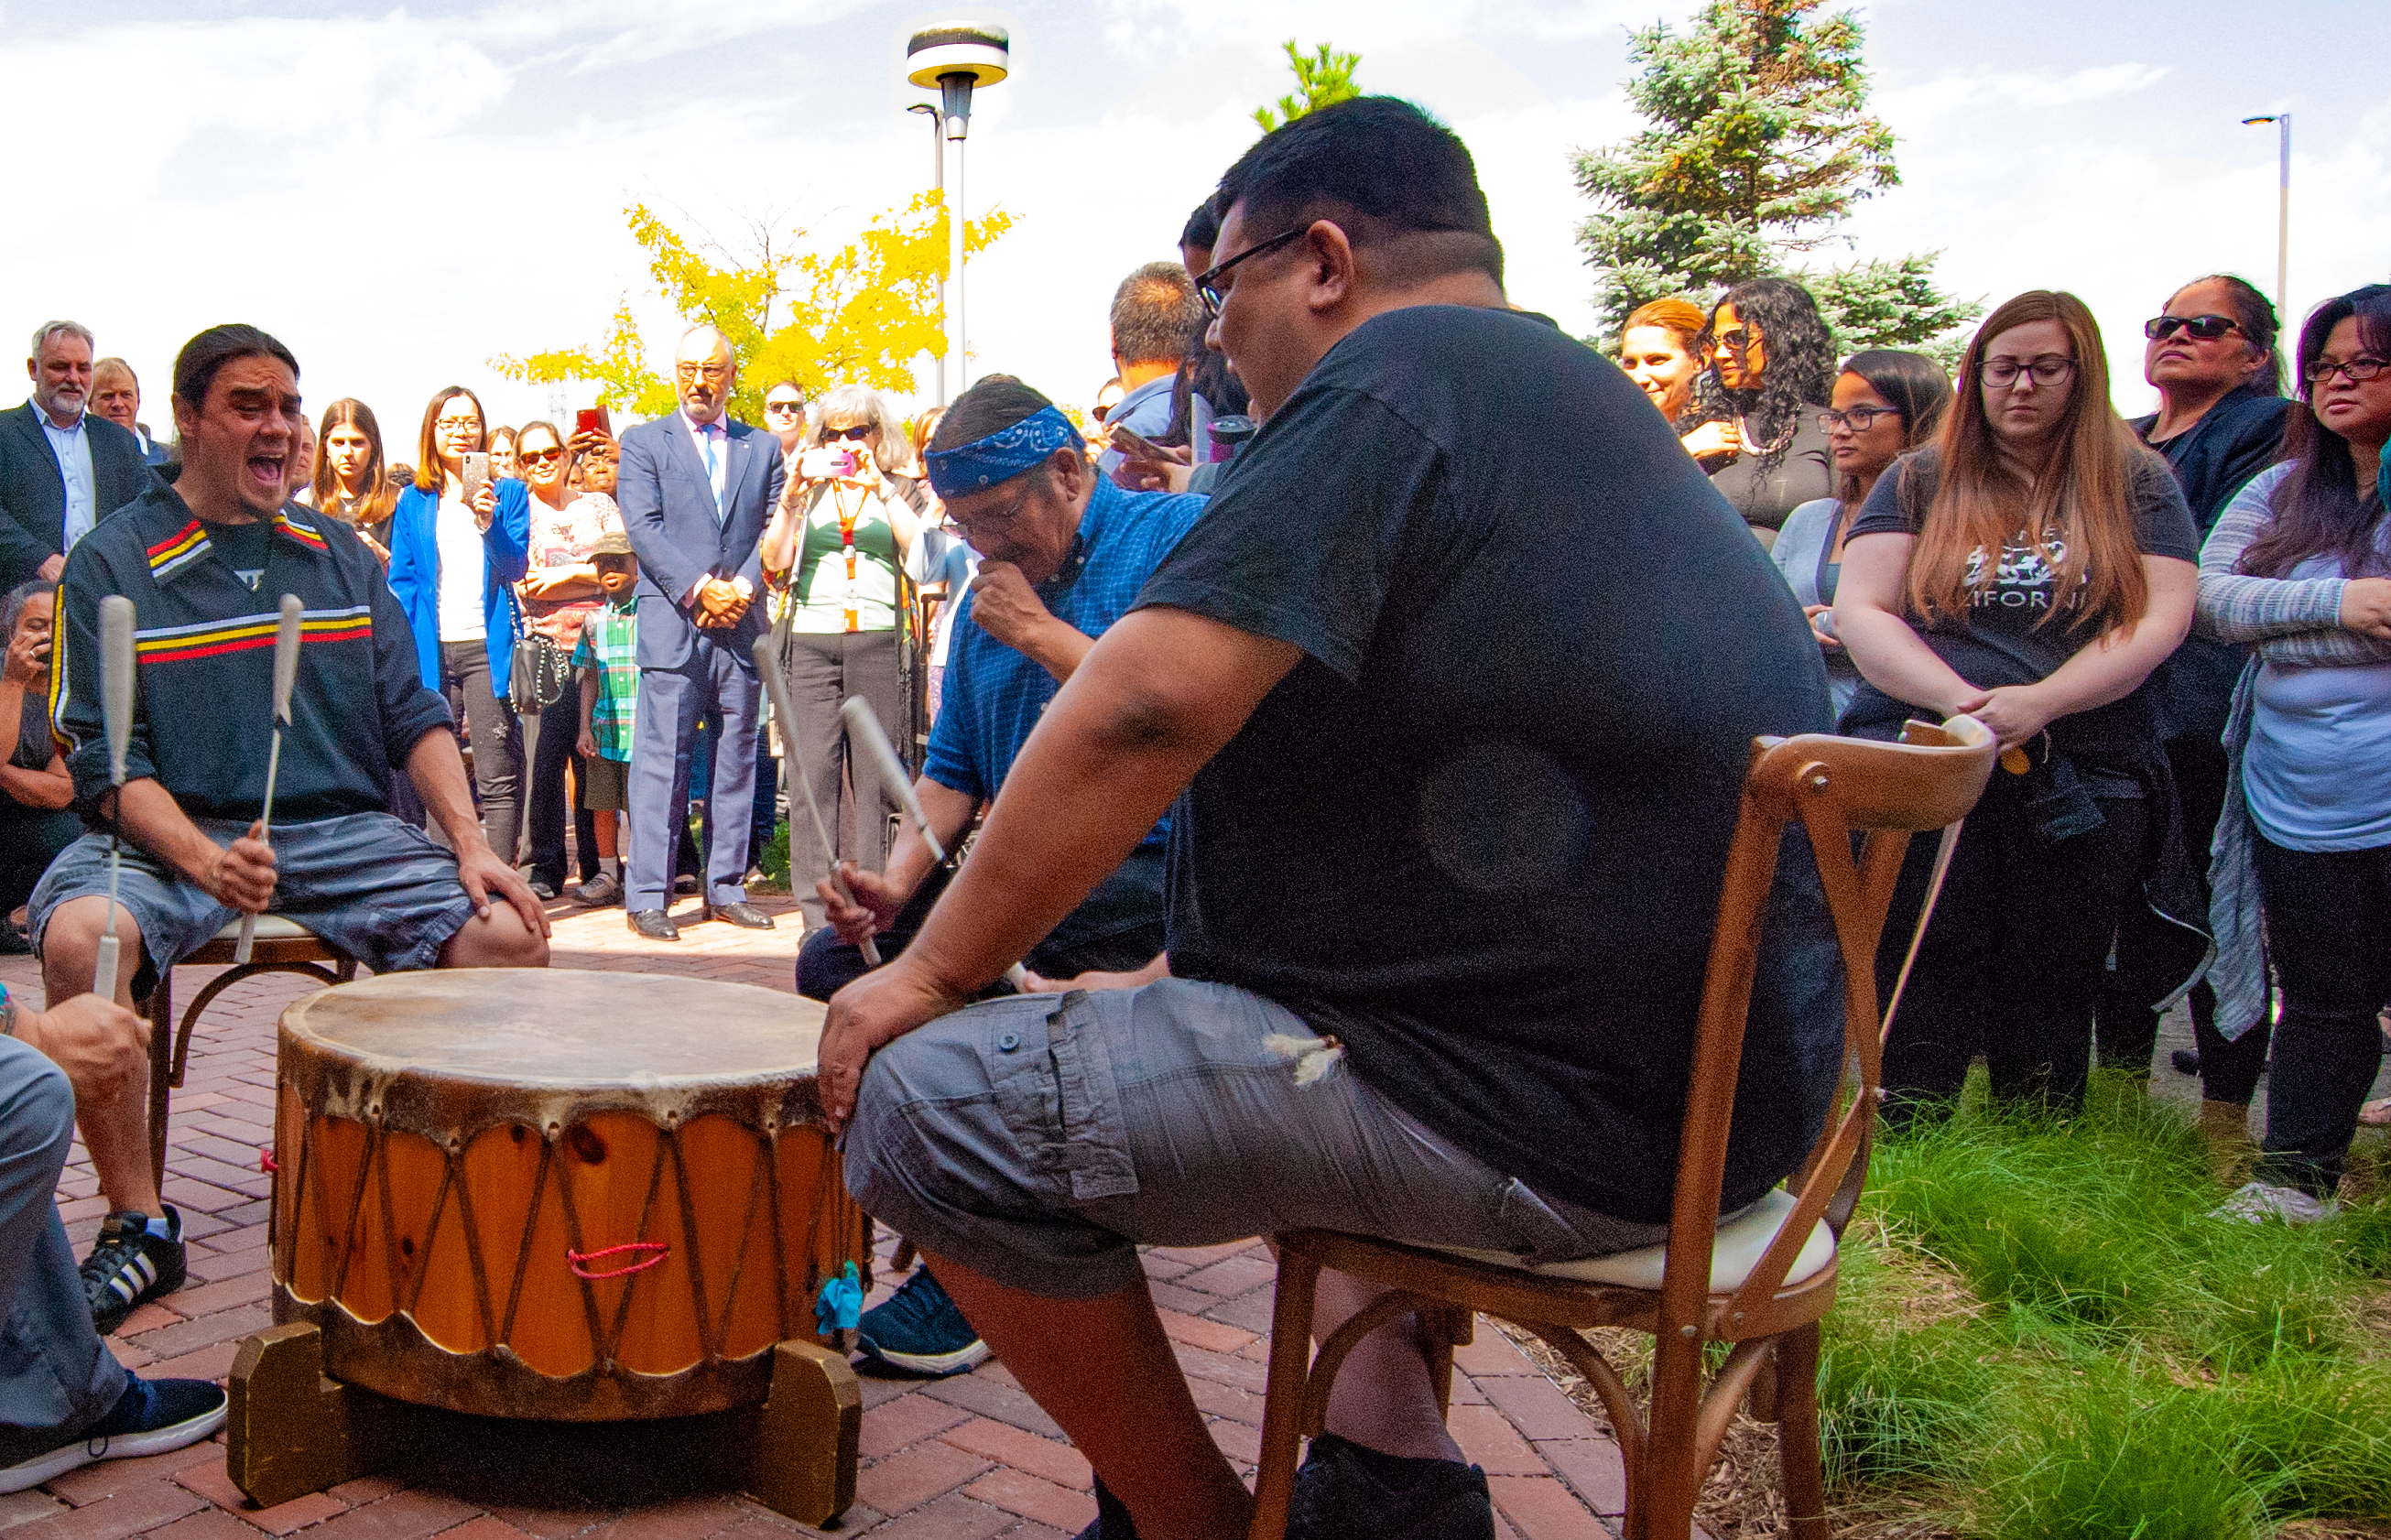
[(2042, 1332)]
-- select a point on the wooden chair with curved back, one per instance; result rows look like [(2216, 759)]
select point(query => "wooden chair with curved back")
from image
[(1762, 1282)]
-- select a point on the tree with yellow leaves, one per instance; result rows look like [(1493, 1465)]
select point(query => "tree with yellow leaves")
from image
[(860, 315)]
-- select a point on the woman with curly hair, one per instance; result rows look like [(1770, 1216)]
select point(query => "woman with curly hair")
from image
[(1773, 361)]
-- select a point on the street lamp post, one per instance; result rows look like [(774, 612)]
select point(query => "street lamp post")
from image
[(954, 58), (937, 181), (2282, 214)]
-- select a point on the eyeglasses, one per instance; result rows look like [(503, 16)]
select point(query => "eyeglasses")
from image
[(458, 425), (784, 405), (853, 435), (713, 374), (2359, 369), (2047, 369), (2206, 329), (1734, 341), (539, 457), (969, 522), (1858, 418), (1208, 283)]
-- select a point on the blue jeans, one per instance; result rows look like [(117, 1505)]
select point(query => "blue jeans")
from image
[(54, 1371)]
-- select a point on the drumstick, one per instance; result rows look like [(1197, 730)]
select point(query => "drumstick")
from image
[(768, 660), (116, 717), (286, 674), (864, 728)]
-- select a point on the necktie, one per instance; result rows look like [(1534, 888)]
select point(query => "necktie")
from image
[(714, 467)]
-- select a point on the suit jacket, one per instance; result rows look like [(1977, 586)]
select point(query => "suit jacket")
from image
[(668, 513), (33, 495)]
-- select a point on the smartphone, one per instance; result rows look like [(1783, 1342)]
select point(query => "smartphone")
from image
[(589, 420), (1137, 446), (823, 463), (477, 473)]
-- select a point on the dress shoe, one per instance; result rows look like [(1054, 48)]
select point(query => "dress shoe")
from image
[(654, 923), (746, 916)]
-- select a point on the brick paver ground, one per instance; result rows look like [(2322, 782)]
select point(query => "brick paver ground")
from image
[(967, 1458)]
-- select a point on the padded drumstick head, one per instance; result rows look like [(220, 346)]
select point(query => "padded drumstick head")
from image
[(116, 679), (286, 655)]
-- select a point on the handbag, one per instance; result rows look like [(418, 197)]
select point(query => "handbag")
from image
[(541, 673)]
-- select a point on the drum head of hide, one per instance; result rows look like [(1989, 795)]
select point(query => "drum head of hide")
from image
[(560, 1026)]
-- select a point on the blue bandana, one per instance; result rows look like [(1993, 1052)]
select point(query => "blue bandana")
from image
[(1002, 455)]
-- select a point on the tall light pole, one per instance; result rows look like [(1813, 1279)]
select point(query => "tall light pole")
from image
[(955, 57), (937, 181), (2282, 217)]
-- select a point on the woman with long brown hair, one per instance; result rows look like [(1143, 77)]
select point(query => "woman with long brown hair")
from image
[(2298, 567), (350, 485), (2029, 568)]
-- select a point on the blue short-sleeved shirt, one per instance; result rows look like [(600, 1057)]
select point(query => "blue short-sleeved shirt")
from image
[(994, 695)]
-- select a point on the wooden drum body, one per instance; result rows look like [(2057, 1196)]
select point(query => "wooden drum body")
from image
[(541, 1193)]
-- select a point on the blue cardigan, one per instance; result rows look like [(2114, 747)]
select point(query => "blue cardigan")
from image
[(415, 575)]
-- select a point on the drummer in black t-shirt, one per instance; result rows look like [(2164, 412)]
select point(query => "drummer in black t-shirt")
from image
[(2030, 570), (35, 790), (1460, 806)]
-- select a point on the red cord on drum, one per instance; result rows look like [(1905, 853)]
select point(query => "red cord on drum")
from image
[(265, 1161), (575, 1259)]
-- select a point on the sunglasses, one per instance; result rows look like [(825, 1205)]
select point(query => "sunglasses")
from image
[(2206, 329), (1208, 282), (784, 405), (539, 457), (1734, 341), (853, 435)]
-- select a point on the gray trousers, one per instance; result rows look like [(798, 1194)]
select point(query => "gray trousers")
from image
[(54, 1370), (718, 684)]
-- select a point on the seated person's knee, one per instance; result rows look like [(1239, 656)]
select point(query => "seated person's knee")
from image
[(38, 1114)]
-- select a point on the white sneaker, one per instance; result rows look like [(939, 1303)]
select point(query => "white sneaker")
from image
[(2257, 1202)]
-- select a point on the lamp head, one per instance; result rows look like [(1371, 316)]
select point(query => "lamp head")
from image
[(955, 57)]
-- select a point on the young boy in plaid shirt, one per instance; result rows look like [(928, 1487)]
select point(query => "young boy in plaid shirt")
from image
[(606, 658)]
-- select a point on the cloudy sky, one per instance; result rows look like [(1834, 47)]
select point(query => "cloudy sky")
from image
[(403, 194)]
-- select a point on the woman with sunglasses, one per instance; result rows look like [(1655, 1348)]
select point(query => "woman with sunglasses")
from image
[(558, 592), (836, 554), (2300, 567), (1886, 403), (2212, 355), (2031, 568), (1772, 361), (350, 483), (455, 555)]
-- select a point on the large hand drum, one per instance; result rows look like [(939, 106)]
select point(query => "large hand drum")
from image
[(539, 1193)]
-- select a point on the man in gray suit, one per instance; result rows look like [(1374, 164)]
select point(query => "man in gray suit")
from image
[(62, 468), (695, 490)]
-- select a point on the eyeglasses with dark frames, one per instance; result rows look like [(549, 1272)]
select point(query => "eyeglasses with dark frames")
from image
[(784, 405), (854, 435), (1208, 282), (1858, 418), (2359, 369), (2049, 369), (539, 457)]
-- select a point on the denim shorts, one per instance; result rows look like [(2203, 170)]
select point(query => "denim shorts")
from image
[(378, 889), (1039, 1140)]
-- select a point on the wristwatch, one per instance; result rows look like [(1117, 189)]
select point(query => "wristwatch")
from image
[(7, 1013)]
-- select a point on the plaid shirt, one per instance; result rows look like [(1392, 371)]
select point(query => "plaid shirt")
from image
[(610, 643)]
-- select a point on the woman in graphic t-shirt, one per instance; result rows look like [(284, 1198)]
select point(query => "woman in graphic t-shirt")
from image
[(836, 553), (2300, 567), (2030, 569), (455, 555), (559, 592)]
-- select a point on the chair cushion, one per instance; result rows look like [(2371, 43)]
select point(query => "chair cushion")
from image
[(1743, 1241), (270, 927)]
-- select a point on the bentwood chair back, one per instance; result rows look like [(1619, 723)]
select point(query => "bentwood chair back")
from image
[(1762, 1282)]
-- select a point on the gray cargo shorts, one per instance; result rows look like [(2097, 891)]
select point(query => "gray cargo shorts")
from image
[(1039, 1140), (378, 889)]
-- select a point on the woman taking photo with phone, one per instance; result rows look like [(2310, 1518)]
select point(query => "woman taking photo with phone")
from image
[(836, 553), (2029, 568), (558, 592), (349, 481), (457, 543), (1773, 362), (1886, 403), (2300, 567)]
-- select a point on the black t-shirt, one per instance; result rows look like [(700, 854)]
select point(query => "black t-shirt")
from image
[(1478, 831), (1804, 472), (31, 750), (243, 548), (2010, 635)]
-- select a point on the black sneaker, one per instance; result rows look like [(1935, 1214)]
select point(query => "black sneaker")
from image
[(920, 1330), (128, 1265), (151, 1418), (1112, 1521), (1345, 1492)]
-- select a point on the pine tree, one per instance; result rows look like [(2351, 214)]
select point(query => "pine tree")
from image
[(1324, 78), (1759, 144)]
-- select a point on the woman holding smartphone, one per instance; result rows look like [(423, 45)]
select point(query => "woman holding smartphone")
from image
[(1886, 403), (458, 540), (350, 485), (2029, 568), (558, 592), (2299, 567), (836, 552)]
